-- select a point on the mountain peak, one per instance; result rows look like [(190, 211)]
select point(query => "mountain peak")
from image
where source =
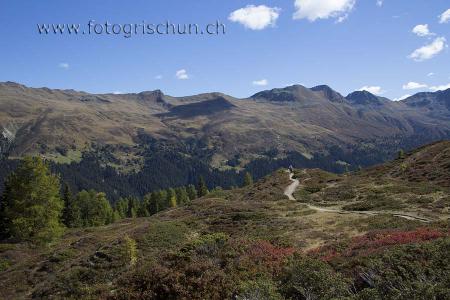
[(291, 93), (329, 93), (156, 96), (363, 98), (12, 84)]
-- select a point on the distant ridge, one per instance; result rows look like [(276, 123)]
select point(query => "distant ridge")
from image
[(231, 132)]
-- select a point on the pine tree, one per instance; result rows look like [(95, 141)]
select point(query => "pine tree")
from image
[(161, 198), (3, 218), (132, 207), (401, 154), (71, 214), (32, 206), (115, 216), (152, 203), (182, 195), (95, 209), (142, 210), (192, 192), (202, 189), (122, 207), (248, 179), (102, 210)]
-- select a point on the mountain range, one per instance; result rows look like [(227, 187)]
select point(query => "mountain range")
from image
[(310, 127)]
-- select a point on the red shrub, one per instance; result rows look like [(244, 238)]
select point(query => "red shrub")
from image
[(376, 241), (262, 255)]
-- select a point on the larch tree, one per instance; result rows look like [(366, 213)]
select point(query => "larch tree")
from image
[(248, 179), (202, 189), (182, 195), (31, 205), (192, 192), (171, 198)]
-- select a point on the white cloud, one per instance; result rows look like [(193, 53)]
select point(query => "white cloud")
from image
[(64, 65), (255, 17), (430, 74), (402, 97), (182, 74), (158, 77), (118, 92), (422, 30), (414, 85), (430, 50), (440, 87), (372, 89), (262, 82), (445, 17), (379, 3), (323, 9)]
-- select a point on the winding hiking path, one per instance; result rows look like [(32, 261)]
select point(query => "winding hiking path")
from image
[(290, 189)]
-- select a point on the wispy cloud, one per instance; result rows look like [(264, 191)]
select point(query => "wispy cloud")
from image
[(379, 3), (182, 74), (414, 85), (430, 50), (256, 17), (323, 9), (262, 82), (402, 97), (445, 17), (440, 87), (430, 74), (422, 30), (64, 65), (377, 90), (158, 77)]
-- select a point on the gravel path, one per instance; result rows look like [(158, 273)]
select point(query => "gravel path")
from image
[(289, 191)]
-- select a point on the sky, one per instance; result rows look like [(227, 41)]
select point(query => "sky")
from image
[(392, 48)]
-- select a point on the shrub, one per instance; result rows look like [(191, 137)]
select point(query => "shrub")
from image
[(4, 264), (375, 241), (259, 288), (188, 279), (307, 278), (165, 235), (130, 250), (209, 244), (415, 271)]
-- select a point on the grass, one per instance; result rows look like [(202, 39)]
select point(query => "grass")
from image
[(164, 235), (4, 264), (71, 156), (380, 222)]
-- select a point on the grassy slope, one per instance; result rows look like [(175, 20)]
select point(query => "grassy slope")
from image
[(92, 260), (48, 118), (417, 184)]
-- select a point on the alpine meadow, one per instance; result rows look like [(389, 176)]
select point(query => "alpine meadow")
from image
[(225, 150)]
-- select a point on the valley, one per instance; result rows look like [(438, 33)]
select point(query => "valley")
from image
[(122, 137)]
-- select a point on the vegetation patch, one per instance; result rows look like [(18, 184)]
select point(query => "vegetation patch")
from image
[(165, 235)]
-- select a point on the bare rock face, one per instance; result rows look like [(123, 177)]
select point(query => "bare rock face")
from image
[(7, 138)]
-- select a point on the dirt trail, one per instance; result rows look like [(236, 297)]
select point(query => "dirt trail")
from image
[(289, 191), (292, 187)]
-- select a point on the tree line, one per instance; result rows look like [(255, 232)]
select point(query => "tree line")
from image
[(33, 207)]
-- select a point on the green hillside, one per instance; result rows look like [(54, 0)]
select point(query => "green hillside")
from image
[(379, 233)]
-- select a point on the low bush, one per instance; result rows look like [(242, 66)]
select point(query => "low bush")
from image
[(307, 278)]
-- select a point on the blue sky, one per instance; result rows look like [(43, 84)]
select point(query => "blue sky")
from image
[(347, 44)]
